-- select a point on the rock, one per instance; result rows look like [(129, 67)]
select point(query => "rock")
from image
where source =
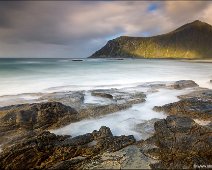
[(127, 158), (48, 150), (180, 143), (146, 129), (200, 93), (184, 84), (99, 94), (121, 101), (102, 133), (71, 98), (20, 121), (194, 107), (36, 116), (116, 100), (95, 111), (77, 60)]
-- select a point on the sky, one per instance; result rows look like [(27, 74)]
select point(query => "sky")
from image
[(75, 29)]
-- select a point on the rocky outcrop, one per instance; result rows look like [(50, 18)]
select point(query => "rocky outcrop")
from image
[(36, 116), (179, 143), (22, 120), (192, 40), (48, 150), (127, 158), (184, 84), (197, 104)]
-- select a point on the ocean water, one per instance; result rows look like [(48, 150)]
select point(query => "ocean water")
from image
[(27, 78), (18, 76)]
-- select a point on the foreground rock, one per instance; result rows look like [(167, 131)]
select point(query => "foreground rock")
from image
[(19, 120), (179, 143), (130, 157), (48, 150)]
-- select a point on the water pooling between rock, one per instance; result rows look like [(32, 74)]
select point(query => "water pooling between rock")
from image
[(129, 121)]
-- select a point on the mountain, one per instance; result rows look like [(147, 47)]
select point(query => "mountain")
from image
[(192, 41)]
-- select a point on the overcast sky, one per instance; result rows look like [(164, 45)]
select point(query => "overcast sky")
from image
[(77, 29)]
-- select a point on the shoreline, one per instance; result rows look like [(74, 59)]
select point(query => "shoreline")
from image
[(102, 141)]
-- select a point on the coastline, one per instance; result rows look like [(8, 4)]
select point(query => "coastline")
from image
[(65, 108)]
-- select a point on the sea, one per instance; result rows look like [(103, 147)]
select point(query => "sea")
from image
[(23, 78)]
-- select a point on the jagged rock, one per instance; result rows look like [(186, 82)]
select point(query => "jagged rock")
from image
[(35, 116), (193, 107), (20, 121), (102, 133), (201, 94), (48, 150), (184, 84), (180, 143), (127, 158)]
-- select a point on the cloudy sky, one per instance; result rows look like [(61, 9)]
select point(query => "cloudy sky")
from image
[(77, 29)]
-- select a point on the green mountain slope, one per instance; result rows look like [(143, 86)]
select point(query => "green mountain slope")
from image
[(193, 41)]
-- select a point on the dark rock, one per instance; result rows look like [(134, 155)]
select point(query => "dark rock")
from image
[(201, 94), (180, 143), (184, 84), (193, 107), (99, 94), (48, 150), (99, 110), (102, 133), (77, 60), (35, 116), (20, 121)]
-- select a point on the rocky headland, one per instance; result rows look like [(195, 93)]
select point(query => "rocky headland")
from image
[(182, 140), (190, 41)]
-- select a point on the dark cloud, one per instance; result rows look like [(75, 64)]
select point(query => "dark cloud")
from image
[(76, 29)]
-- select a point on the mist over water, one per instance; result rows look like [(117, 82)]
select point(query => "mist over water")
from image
[(19, 76), (124, 122)]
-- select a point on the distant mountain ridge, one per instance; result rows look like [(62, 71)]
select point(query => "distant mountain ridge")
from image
[(192, 41)]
